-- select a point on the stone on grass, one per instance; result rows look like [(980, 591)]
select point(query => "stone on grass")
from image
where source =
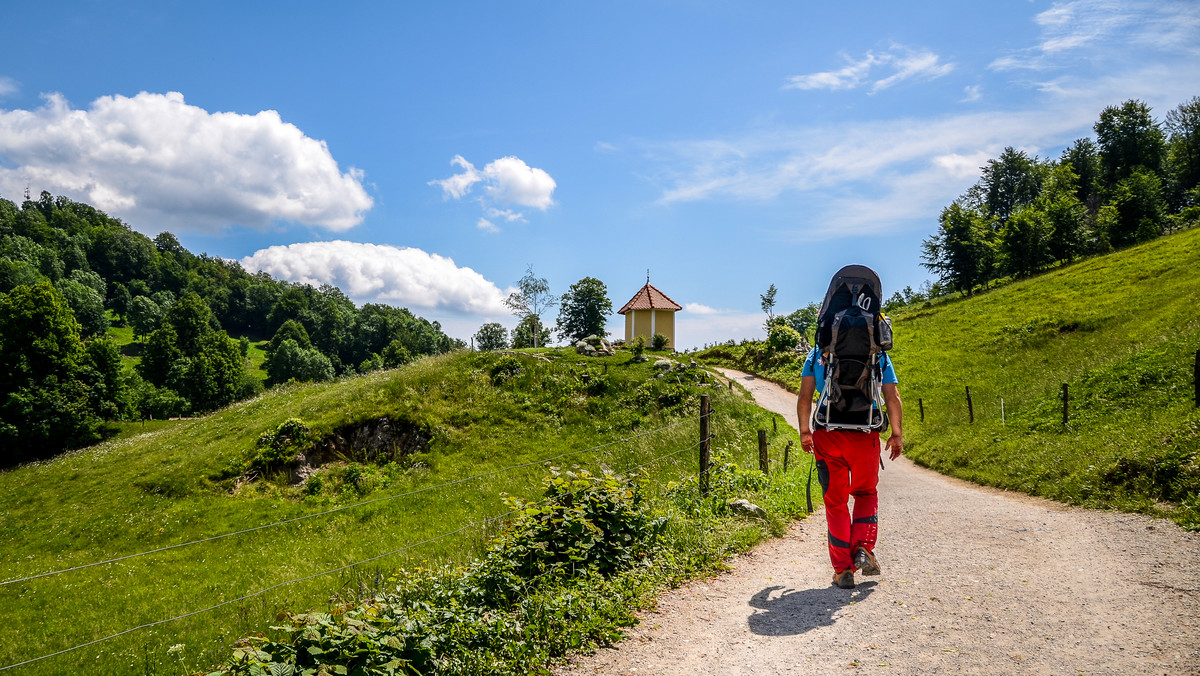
[(744, 506)]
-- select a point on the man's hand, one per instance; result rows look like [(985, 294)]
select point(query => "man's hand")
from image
[(895, 444), (804, 402)]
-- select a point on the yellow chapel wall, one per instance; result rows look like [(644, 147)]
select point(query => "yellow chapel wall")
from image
[(638, 323)]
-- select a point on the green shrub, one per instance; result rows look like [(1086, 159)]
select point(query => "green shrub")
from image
[(584, 520), (659, 342), (505, 368), (783, 338), (314, 484), (279, 448), (639, 347)]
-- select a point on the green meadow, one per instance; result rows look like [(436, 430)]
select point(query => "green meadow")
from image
[(487, 424)]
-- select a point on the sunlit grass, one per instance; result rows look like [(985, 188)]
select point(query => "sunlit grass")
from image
[(160, 488)]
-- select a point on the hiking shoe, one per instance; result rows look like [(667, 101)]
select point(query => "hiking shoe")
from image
[(844, 579), (865, 562)]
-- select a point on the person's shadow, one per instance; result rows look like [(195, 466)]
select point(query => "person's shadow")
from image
[(797, 611)]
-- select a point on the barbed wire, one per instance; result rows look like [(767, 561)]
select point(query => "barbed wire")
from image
[(338, 569), (314, 515)]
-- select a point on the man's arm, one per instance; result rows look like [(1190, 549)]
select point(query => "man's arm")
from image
[(804, 403), (895, 411)]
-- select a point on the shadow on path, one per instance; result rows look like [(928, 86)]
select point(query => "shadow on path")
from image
[(796, 612)]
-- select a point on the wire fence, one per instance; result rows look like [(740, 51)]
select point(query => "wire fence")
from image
[(1065, 402), (472, 525)]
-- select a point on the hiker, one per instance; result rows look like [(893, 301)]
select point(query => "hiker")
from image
[(842, 430)]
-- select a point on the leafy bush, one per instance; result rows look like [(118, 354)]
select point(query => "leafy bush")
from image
[(782, 338), (657, 394), (585, 521), (659, 342), (279, 448), (639, 349), (504, 369)]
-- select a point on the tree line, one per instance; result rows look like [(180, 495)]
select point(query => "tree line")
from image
[(1138, 179), (68, 271)]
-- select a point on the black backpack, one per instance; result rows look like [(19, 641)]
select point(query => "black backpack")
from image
[(852, 335)]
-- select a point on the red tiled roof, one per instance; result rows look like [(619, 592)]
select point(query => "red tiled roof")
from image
[(648, 298)]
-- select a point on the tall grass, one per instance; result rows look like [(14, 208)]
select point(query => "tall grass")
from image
[(167, 487)]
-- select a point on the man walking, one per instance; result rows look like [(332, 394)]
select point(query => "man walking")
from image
[(848, 455)]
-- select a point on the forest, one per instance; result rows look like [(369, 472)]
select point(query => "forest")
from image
[(69, 274), (1138, 179)]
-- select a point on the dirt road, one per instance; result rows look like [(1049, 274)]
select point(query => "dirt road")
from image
[(974, 580)]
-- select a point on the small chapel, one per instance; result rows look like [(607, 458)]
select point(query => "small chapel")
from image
[(650, 311)]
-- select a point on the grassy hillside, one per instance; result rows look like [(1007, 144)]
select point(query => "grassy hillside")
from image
[(456, 416), (1120, 330)]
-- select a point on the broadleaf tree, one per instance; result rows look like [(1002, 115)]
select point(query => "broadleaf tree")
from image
[(584, 310), (491, 336)]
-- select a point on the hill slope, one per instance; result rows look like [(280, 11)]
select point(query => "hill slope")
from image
[(456, 432), (1121, 331)]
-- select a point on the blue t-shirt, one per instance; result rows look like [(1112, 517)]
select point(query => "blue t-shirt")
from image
[(815, 366)]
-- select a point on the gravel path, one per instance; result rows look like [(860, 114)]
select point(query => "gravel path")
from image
[(975, 580)]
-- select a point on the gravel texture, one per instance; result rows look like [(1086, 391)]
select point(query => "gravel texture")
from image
[(975, 580)]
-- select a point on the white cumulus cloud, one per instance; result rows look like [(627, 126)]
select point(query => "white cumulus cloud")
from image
[(506, 181), (403, 276), (153, 159)]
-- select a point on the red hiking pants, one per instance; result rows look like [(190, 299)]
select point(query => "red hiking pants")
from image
[(848, 464)]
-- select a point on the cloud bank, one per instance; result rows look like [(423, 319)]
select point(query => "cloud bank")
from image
[(154, 160), (506, 182), (403, 276)]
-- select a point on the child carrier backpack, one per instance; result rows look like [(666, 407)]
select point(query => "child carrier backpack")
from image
[(852, 335)]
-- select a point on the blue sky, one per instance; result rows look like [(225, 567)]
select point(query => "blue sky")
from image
[(424, 154)]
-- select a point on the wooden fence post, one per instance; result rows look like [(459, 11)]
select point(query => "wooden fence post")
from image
[(1002, 423), (705, 435), (970, 406), (1065, 397), (921, 405), (787, 452), (762, 451), (774, 424)]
